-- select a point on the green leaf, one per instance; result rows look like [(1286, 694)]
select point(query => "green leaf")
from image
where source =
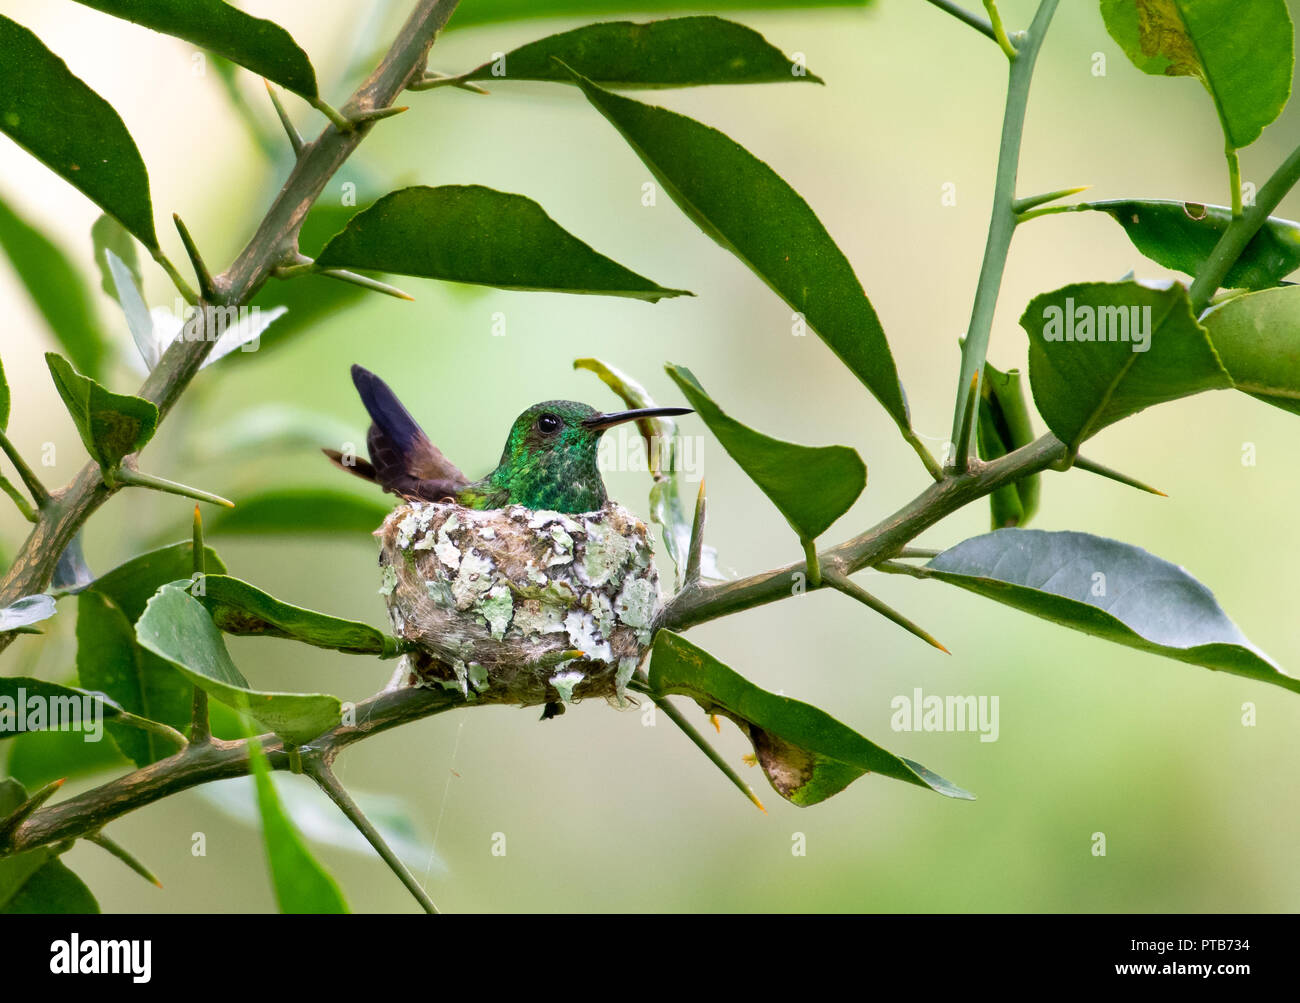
[(1181, 235), (37, 757), (111, 425), (1242, 53), (806, 754), (492, 11), (239, 608), (132, 584), (107, 234), (72, 130), (57, 288), (468, 233), (4, 399), (1258, 338), (26, 611), (297, 511), (678, 52), (1154, 352), (176, 627), (253, 42), (301, 884), (110, 660), (1004, 426), (37, 881), (784, 471), (70, 703), (743, 204), (1108, 589)]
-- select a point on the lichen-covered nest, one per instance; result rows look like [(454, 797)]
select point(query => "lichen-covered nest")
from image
[(496, 601)]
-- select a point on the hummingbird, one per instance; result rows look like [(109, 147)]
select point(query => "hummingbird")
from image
[(549, 460)]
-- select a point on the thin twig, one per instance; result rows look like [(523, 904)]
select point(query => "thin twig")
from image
[(316, 768)]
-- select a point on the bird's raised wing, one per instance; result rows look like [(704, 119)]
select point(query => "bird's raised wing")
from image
[(402, 459)]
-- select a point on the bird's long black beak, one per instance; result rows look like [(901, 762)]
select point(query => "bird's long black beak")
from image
[(603, 421)]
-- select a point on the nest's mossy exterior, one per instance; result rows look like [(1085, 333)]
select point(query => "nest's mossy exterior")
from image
[(492, 599)]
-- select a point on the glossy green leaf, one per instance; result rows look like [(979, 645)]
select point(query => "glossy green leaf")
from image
[(676, 52), (1101, 351), (72, 130), (301, 884), (784, 470), (57, 288), (468, 233), (253, 42), (1108, 589), (1004, 426), (37, 881), (107, 234), (1258, 338), (111, 425), (1242, 53), (175, 626), (110, 660), (239, 608), (491, 11), (132, 584), (26, 611), (746, 207), (299, 511), (28, 705), (1181, 235), (806, 754)]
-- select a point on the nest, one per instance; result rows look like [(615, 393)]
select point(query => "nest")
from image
[(496, 602)]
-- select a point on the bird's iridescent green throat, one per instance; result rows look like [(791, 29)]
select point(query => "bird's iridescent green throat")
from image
[(550, 459)]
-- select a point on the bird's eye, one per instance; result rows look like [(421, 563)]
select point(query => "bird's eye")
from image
[(548, 424)]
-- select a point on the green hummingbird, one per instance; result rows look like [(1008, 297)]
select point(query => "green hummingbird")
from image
[(549, 461)]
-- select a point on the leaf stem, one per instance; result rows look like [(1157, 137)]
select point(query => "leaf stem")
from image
[(969, 17), (1240, 232), (931, 464), (316, 768), (1234, 179), (999, 31), (1001, 226), (812, 564), (24, 507), (183, 287), (33, 483)]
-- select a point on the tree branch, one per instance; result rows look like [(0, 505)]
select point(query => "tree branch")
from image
[(215, 759), (275, 241)]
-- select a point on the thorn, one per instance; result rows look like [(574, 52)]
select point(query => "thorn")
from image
[(431, 80), (854, 590), (1096, 468), (695, 551), (365, 283), (206, 288), (1034, 201), (374, 115), (962, 446), (27, 808), (717, 725), (140, 479), (295, 138)]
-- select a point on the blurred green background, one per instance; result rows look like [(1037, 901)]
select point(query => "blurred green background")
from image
[(599, 811)]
